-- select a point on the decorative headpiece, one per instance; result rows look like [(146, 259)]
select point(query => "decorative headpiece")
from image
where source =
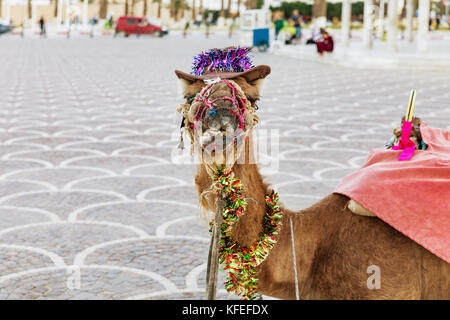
[(227, 63), (233, 59)]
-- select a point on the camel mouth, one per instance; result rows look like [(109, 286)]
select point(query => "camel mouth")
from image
[(220, 132), (220, 118)]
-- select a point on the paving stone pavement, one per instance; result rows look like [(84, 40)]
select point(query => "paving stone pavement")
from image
[(92, 205)]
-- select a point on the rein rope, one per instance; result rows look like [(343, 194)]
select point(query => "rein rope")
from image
[(294, 260)]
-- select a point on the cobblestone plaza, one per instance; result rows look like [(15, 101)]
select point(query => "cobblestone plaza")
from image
[(92, 203)]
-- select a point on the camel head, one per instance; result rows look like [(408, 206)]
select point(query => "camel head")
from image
[(220, 106)]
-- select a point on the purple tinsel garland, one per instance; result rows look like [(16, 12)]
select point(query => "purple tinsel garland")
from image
[(224, 60)]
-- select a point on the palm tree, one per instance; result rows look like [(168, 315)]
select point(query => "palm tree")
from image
[(222, 9), (239, 8), (103, 10), (133, 2), (0, 7), (193, 10), (145, 9), (251, 4), (159, 8), (179, 5), (228, 13), (55, 11), (126, 8), (172, 8), (319, 9), (29, 10)]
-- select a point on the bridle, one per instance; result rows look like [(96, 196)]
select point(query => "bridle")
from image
[(238, 103), (241, 108)]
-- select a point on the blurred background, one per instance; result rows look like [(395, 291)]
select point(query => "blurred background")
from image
[(411, 27), (59, 14)]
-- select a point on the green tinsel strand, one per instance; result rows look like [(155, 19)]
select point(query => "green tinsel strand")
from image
[(241, 263)]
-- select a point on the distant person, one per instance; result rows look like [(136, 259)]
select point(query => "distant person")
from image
[(279, 23), (231, 29), (76, 21), (198, 20), (446, 20), (207, 24), (326, 44), (186, 29), (289, 36), (42, 26), (297, 20)]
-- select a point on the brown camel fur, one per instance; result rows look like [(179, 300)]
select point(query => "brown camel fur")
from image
[(333, 246)]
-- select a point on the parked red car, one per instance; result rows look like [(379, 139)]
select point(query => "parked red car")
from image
[(138, 26)]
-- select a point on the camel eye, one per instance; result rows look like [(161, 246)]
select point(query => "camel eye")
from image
[(190, 99)]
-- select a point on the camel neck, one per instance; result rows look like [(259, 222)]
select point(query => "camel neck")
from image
[(246, 230), (250, 225)]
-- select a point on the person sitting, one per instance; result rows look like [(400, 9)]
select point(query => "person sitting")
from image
[(326, 44), (290, 38), (288, 33), (316, 35)]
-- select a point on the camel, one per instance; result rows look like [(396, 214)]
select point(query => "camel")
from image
[(334, 248)]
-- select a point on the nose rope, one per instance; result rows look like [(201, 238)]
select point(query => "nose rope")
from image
[(235, 99)]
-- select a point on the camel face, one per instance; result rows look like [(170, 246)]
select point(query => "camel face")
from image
[(219, 123), (219, 114)]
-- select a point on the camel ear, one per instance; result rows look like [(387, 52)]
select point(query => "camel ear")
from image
[(185, 80), (256, 73), (252, 89), (258, 84), (255, 78)]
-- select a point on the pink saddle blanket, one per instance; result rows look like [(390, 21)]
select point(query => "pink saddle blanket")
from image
[(411, 196)]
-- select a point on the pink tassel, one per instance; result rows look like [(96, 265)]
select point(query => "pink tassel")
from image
[(405, 143)]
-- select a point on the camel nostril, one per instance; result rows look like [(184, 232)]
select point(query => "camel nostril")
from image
[(221, 120)]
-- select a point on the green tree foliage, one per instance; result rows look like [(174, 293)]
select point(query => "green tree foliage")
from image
[(215, 15), (357, 8), (333, 9), (259, 4), (288, 7)]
